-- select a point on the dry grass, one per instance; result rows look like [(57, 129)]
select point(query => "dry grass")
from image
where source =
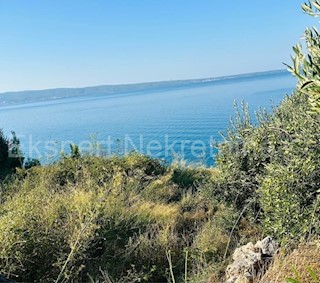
[(297, 264)]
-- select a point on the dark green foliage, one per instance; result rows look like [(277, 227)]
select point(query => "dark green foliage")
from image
[(31, 162), (4, 149), (75, 151), (10, 155), (188, 177)]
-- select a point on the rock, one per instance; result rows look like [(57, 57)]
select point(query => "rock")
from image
[(251, 261), (268, 246), (231, 280)]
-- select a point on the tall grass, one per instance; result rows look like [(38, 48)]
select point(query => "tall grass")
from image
[(92, 218)]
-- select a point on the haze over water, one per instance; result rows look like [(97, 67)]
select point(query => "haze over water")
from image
[(175, 123)]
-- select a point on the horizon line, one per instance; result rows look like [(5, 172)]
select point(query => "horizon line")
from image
[(195, 80)]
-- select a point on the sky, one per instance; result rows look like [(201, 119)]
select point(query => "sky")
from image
[(73, 43)]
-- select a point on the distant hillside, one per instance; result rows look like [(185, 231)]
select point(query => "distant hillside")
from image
[(19, 97)]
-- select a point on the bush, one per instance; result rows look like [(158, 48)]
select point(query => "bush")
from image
[(290, 188), (275, 166)]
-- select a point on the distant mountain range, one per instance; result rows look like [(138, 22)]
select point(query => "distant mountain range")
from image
[(29, 96)]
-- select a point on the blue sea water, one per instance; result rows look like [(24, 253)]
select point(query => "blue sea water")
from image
[(172, 123)]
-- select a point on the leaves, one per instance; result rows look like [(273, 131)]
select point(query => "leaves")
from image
[(306, 66)]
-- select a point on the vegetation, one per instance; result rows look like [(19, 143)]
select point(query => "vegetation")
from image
[(136, 219), (275, 168), (10, 156), (89, 217), (302, 265)]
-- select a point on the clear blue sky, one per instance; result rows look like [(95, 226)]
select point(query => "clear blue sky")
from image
[(71, 43)]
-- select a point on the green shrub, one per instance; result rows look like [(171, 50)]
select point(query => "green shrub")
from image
[(289, 187), (275, 167)]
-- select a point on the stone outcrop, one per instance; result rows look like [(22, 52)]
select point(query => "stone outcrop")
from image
[(251, 261)]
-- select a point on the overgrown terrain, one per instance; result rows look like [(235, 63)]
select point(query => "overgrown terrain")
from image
[(136, 219), (89, 217)]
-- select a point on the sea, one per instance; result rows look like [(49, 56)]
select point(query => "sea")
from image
[(175, 124)]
